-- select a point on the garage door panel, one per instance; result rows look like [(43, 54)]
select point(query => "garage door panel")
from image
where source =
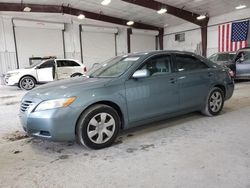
[(38, 42), (97, 47), (142, 43)]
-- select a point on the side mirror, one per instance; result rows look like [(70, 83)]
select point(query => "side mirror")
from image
[(38, 67), (141, 74)]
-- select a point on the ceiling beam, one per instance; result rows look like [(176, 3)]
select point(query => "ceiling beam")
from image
[(180, 13), (18, 7)]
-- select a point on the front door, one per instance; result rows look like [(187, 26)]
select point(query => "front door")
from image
[(154, 95), (45, 71), (243, 64)]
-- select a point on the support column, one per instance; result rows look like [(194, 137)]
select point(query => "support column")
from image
[(129, 32), (160, 36), (204, 40)]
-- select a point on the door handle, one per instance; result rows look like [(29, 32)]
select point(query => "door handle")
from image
[(182, 77), (210, 74), (172, 80)]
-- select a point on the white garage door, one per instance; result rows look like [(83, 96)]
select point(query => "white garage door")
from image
[(143, 40), (38, 39), (98, 44)]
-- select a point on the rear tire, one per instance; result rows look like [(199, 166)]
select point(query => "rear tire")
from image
[(76, 75), (214, 102), (98, 127), (27, 83)]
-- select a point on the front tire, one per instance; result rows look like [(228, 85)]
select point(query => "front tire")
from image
[(27, 83), (214, 102), (98, 127)]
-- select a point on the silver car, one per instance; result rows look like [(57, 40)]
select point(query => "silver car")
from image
[(241, 64), (124, 92), (222, 57)]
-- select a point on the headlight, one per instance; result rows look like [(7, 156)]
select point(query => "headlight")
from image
[(56, 103), (12, 74)]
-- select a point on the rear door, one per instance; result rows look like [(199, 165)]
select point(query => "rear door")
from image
[(46, 71), (193, 77), (66, 68), (154, 95)]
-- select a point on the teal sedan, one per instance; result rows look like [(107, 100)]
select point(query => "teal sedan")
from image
[(124, 92)]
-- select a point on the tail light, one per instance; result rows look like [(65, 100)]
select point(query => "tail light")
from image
[(231, 73), (84, 69)]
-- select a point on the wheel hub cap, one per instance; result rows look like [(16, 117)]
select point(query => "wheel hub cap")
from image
[(215, 101), (27, 83), (101, 128)]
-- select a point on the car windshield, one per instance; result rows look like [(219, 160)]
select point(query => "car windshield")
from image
[(246, 56), (224, 57), (33, 65), (114, 67)]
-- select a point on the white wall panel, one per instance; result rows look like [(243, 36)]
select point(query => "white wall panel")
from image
[(192, 39), (38, 42), (7, 46), (72, 41)]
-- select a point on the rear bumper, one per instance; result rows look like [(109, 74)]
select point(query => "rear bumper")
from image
[(229, 90)]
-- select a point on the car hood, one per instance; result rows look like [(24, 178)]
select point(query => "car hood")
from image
[(16, 70), (67, 88)]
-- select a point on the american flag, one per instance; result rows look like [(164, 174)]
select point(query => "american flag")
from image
[(233, 36)]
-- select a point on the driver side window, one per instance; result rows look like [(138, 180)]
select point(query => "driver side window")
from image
[(158, 65), (47, 64)]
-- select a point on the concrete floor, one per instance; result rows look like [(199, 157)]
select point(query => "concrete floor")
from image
[(188, 151)]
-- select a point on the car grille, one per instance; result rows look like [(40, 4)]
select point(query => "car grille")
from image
[(25, 105), (6, 78)]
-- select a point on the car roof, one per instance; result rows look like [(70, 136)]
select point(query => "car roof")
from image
[(155, 52), (226, 53), (244, 49)]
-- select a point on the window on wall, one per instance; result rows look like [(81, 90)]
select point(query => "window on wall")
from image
[(188, 63), (180, 37)]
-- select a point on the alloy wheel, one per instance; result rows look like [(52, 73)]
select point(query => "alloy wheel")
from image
[(101, 128), (215, 101), (27, 83)]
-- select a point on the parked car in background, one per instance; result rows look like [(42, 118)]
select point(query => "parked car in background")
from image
[(222, 57), (43, 72), (240, 65), (127, 91)]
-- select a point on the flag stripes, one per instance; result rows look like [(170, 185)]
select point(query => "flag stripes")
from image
[(225, 42)]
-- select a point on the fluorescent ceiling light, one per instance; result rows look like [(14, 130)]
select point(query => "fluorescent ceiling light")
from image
[(27, 9), (81, 16), (162, 11), (240, 7), (201, 17), (105, 2), (130, 23)]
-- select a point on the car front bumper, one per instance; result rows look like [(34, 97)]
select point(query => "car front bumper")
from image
[(55, 124), (11, 80)]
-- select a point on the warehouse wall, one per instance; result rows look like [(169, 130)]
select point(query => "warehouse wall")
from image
[(8, 59), (193, 33), (7, 46)]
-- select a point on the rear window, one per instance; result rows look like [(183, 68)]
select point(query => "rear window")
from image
[(63, 63)]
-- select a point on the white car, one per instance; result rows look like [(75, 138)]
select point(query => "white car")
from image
[(43, 72)]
